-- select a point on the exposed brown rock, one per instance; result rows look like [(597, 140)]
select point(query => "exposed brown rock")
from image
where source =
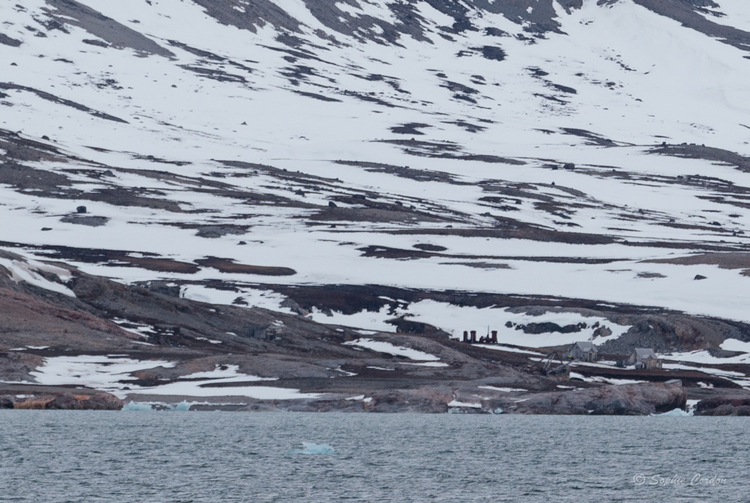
[(51, 397), (230, 266)]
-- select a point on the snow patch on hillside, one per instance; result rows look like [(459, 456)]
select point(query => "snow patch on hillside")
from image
[(115, 375), (388, 348), (29, 272)]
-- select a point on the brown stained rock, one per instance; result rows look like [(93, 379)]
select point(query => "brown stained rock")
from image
[(29, 320), (229, 266), (33, 403), (162, 265), (738, 260), (123, 258), (94, 401), (91, 400)]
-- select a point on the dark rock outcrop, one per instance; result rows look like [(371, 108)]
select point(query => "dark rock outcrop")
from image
[(6, 40), (725, 405), (426, 400), (70, 12), (545, 327), (89, 220), (628, 400), (673, 332)]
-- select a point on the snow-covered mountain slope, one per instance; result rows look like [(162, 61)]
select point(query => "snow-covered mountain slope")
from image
[(576, 149)]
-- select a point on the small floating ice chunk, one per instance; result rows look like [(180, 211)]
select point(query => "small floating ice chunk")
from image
[(456, 403), (160, 406), (137, 406), (310, 448), (183, 406), (674, 413)]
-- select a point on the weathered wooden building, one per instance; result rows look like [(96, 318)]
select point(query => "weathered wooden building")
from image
[(583, 351), (644, 358)]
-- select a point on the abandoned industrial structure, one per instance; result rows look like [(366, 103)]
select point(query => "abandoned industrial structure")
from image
[(471, 337)]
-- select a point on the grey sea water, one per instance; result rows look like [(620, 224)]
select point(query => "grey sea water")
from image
[(84, 456)]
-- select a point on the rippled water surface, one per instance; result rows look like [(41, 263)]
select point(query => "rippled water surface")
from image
[(80, 456)]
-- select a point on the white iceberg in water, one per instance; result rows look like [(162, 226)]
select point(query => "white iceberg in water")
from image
[(140, 406), (310, 448), (674, 413), (137, 406)]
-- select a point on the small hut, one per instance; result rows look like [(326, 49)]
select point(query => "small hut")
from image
[(583, 350), (261, 332), (644, 358)]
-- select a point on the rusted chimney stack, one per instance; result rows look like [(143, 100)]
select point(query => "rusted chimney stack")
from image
[(473, 336), (466, 336), (494, 337)]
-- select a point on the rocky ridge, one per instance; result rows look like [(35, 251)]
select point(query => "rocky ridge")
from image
[(40, 326)]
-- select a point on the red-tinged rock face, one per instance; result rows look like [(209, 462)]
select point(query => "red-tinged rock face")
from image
[(94, 400)]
